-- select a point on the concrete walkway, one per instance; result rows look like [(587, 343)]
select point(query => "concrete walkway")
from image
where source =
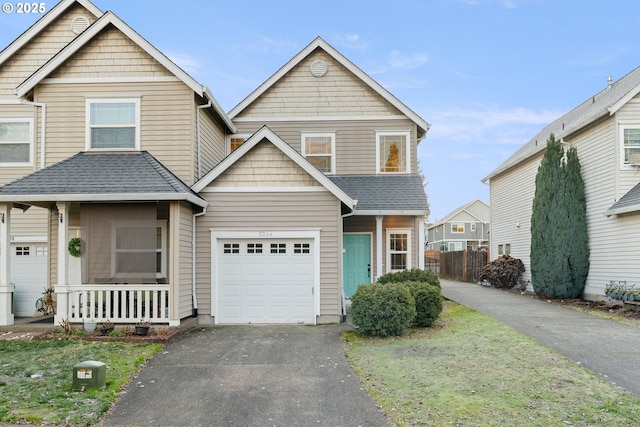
[(608, 348), (249, 376)]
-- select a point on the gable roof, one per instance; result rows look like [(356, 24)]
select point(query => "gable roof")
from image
[(112, 176), (603, 104), (385, 194), (320, 43), (42, 23), (267, 134), (455, 212), (630, 202), (109, 18)]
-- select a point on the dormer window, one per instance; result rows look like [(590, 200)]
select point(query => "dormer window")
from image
[(392, 152), (113, 124)]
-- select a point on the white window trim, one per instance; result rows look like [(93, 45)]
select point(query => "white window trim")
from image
[(623, 164), (227, 141), (89, 101), (162, 224), (31, 144), (407, 134), (473, 226), (409, 252), (331, 135), (458, 223)]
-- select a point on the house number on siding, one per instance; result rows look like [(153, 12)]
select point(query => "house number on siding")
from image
[(265, 233)]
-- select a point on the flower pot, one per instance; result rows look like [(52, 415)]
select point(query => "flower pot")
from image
[(89, 326), (141, 330)]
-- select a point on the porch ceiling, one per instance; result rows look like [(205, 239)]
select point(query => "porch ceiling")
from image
[(112, 176)]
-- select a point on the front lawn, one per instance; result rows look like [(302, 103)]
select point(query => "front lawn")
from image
[(471, 370), (36, 379)]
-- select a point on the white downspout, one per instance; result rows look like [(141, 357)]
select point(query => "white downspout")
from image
[(198, 108), (43, 127), (193, 260)]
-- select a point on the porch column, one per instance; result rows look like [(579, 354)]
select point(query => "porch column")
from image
[(421, 243), (62, 287), (6, 288), (379, 240)]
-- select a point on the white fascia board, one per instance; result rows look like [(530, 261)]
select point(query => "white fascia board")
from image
[(42, 23), (622, 101), (89, 34), (620, 211), (320, 43), (110, 197), (266, 133)]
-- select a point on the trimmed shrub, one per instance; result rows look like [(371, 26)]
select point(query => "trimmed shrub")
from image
[(382, 310), (413, 275), (503, 273), (428, 300)]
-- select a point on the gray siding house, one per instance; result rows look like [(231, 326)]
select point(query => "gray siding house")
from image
[(465, 228), (271, 213)]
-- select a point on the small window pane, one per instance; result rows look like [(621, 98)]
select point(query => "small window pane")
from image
[(278, 248), (398, 242), (15, 131), (254, 248), (113, 113), (113, 138), (15, 142), (301, 248), (322, 163), (398, 261), (14, 153), (231, 248), (234, 143)]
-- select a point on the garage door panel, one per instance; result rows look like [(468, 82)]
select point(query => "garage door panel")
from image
[(265, 281), (29, 275)]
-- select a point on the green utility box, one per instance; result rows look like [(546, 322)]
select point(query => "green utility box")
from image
[(89, 374)]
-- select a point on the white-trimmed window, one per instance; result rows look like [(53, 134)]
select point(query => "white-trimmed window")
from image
[(630, 149), (113, 124), (473, 226), (457, 228), (128, 252), (398, 249), (319, 150), (393, 152), (16, 142)]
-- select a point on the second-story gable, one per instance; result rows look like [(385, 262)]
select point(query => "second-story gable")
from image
[(334, 114)]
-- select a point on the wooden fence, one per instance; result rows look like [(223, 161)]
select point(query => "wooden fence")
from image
[(463, 266), (432, 261)]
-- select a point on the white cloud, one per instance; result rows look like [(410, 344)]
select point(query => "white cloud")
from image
[(401, 61), (185, 61), (350, 41)]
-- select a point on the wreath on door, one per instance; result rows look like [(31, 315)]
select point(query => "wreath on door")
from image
[(75, 247)]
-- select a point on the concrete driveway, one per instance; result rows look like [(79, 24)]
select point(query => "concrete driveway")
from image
[(249, 376)]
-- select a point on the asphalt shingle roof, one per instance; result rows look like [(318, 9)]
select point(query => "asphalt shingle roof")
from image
[(100, 173), (627, 203), (384, 192)]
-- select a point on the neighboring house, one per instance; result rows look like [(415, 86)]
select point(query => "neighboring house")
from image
[(605, 130), (268, 214), (465, 228)]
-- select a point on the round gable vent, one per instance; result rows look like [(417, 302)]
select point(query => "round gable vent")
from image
[(79, 24), (318, 68)]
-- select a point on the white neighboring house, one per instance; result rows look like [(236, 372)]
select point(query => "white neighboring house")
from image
[(605, 129), (466, 227)]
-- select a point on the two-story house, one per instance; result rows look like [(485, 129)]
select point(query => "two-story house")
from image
[(464, 228), (605, 130), (271, 213)]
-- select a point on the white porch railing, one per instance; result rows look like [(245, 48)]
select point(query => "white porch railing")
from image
[(119, 303)]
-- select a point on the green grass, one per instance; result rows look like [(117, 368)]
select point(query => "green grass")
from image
[(471, 370), (36, 379)]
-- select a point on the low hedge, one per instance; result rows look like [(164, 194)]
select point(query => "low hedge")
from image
[(382, 310), (428, 299), (413, 275)]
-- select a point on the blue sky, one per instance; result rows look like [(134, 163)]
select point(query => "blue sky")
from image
[(486, 74)]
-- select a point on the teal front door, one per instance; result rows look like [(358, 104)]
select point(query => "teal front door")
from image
[(356, 261)]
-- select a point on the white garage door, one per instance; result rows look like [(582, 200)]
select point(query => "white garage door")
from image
[(29, 274), (265, 281)]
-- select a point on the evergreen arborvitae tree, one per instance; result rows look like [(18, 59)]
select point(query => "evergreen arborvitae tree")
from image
[(545, 219), (559, 239), (577, 233)]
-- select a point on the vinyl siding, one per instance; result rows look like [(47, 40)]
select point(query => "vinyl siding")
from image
[(16, 111), (184, 254), (510, 207), (355, 139), (212, 144), (166, 128), (628, 115), (33, 222), (338, 93), (39, 50)]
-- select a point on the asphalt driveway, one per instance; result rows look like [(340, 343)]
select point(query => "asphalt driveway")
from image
[(249, 376)]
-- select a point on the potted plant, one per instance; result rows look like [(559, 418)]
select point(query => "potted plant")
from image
[(89, 324), (48, 301), (142, 328), (106, 327)]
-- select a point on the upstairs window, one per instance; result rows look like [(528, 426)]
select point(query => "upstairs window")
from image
[(457, 228), (113, 124), (630, 146), (16, 142), (319, 148), (392, 152), (234, 142)]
